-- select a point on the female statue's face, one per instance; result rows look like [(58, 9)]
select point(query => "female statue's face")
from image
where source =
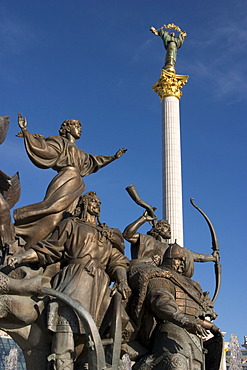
[(75, 130)]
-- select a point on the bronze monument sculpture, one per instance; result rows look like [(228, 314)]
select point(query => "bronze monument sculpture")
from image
[(4, 124), (36, 221), (9, 196), (92, 254), (58, 261), (171, 309), (93, 248), (53, 314), (171, 43), (151, 247)]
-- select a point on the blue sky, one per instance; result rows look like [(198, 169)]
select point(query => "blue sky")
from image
[(96, 61)]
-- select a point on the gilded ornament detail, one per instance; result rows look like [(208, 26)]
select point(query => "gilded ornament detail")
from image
[(169, 84)]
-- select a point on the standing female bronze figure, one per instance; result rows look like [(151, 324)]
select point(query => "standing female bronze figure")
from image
[(36, 221)]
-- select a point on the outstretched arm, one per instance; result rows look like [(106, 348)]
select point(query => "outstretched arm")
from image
[(200, 257), (96, 162), (180, 39)]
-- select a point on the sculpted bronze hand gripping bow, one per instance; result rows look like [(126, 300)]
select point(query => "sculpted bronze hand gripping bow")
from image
[(215, 248), (215, 245)]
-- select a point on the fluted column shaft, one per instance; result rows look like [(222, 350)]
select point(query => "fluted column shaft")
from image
[(168, 87), (171, 171)]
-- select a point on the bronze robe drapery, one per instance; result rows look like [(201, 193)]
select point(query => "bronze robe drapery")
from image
[(36, 221), (171, 44), (90, 260), (148, 247)]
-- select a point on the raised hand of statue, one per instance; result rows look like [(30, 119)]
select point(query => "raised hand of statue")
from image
[(22, 122), (149, 218), (184, 34), (153, 29), (120, 152)]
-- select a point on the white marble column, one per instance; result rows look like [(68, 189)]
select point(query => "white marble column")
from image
[(171, 171)]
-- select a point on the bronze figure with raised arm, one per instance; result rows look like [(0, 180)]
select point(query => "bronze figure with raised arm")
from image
[(171, 43), (151, 247), (35, 222)]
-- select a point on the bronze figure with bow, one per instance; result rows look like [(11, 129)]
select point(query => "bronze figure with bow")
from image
[(215, 248)]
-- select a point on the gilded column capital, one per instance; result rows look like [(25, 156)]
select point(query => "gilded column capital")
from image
[(169, 84)]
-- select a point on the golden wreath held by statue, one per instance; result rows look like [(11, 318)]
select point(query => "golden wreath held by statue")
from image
[(168, 26)]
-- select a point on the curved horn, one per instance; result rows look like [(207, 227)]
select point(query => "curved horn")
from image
[(136, 198)]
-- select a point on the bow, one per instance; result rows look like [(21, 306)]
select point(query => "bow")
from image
[(215, 248)]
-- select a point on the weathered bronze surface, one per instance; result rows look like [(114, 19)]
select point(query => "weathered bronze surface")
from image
[(36, 221), (59, 259), (171, 43), (4, 125), (91, 255), (151, 247), (169, 310)]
